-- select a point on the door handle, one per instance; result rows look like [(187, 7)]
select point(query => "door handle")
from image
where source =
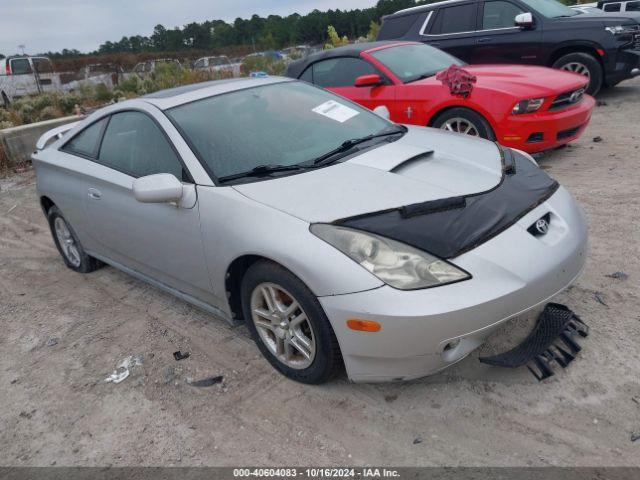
[(94, 193), (485, 40)]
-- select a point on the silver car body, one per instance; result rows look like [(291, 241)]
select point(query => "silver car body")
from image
[(190, 249)]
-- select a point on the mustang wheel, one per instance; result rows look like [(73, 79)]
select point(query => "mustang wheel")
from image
[(68, 244), (585, 65), (288, 324), (465, 121)]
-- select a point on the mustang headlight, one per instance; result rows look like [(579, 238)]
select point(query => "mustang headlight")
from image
[(527, 106), (396, 264)]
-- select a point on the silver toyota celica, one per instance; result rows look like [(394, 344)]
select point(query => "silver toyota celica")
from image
[(338, 237)]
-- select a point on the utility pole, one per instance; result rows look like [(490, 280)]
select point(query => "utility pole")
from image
[(21, 47)]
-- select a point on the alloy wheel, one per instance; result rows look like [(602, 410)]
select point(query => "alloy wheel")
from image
[(461, 125), (67, 242), (283, 326), (577, 67)]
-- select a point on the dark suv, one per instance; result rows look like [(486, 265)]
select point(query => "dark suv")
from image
[(540, 32)]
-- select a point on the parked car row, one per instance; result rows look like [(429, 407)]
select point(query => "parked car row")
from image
[(603, 48), (31, 75)]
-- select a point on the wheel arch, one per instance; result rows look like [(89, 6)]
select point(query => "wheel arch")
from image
[(567, 49), (46, 203), (233, 280)]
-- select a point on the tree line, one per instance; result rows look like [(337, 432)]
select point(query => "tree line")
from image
[(272, 32)]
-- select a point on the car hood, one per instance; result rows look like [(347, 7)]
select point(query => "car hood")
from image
[(519, 80), (425, 164)]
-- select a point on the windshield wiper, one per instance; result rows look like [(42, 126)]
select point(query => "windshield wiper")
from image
[(261, 170), (347, 145)]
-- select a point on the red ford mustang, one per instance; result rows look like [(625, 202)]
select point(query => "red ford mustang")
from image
[(524, 107)]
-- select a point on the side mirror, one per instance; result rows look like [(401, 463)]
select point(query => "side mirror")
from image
[(159, 188), (372, 80), (524, 20)]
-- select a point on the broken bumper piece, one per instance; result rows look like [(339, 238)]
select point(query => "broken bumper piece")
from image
[(553, 339)]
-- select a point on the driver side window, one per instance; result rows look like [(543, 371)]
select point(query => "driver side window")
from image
[(135, 145), (499, 14), (340, 72)]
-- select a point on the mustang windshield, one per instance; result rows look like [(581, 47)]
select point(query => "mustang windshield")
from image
[(279, 124), (413, 62)]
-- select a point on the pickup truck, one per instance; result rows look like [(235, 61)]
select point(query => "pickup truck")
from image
[(20, 76)]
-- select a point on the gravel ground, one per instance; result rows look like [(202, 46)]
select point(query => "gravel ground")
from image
[(63, 333)]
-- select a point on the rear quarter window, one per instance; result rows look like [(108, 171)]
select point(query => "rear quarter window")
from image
[(456, 19), (20, 66), (397, 27), (86, 142)]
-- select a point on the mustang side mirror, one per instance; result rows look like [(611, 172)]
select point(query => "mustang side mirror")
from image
[(524, 20), (372, 80), (158, 188)]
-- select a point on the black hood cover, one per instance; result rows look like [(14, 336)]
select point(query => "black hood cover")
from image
[(452, 226)]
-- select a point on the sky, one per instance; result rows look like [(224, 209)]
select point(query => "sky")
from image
[(51, 25)]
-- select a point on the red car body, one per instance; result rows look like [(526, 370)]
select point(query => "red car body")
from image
[(497, 90)]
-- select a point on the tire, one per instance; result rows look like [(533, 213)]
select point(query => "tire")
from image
[(268, 281), (463, 117), (69, 245), (6, 103), (583, 64)]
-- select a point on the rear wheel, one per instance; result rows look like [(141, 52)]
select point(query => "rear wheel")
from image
[(583, 64), (69, 245), (6, 103), (288, 324), (465, 121)]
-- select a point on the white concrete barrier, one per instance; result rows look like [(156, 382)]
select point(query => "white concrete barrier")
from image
[(18, 143)]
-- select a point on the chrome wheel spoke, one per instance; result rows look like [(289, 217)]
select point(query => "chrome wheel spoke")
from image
[(282, 325), (67, 242), (460, 125), (302, 344), (297, 321)]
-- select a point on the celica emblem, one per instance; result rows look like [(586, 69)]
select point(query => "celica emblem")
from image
[(409, 112), (542, 226)]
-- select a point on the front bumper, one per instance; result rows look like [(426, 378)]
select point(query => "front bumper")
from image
[(620, 65), (512, 273), (545, 130)]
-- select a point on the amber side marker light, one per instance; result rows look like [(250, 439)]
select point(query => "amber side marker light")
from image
[(363, 325)]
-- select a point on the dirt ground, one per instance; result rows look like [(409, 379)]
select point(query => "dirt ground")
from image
[(63, 333)]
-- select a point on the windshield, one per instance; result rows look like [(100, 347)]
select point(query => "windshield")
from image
[(413, 62), (551, 8), (279, 124)]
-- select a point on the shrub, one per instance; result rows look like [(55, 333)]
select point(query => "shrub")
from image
[(49, 113)]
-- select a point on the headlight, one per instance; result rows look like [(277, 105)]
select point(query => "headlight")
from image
[(527, 106), (618, 29), (395, 263)]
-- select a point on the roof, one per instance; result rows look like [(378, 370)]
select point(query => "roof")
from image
[(172, 97), (296, 68), (423, 8)]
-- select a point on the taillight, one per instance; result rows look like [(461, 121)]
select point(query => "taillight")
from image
[(8, 69)]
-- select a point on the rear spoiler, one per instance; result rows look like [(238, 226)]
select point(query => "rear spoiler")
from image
[(55, 133)]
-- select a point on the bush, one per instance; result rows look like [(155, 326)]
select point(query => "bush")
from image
[(102, 93), (49, 113), (263, 63)]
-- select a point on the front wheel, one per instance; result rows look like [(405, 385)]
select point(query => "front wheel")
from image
[(465, 121), (288, 324), (585, 65), (69, 245)]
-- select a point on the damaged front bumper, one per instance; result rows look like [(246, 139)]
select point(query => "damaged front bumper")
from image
[(423, 331)]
